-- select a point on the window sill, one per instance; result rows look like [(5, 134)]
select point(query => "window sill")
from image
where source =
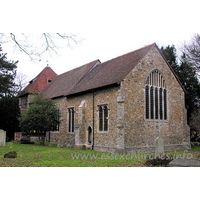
[(102, 131), (157, 120)]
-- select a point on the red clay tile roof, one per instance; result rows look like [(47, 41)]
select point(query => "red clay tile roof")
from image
[(65, 82), (95, 75), (110, 72), (87, 77), (39, 82)]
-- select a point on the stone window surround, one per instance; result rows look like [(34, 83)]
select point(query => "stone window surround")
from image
[(73, 107), (158, 85), (102, 105)]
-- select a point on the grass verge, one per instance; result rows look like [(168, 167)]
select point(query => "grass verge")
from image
[(50, 156)]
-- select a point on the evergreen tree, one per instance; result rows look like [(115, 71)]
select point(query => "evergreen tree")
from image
[(187, 76), (170, 54), (7, 75), (9, 115)]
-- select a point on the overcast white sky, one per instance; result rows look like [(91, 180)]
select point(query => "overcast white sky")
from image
[(108, 28)]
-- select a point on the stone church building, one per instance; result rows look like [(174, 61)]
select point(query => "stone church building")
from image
[(119, 106)]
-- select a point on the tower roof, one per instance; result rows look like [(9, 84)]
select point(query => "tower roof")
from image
[(39, 82)]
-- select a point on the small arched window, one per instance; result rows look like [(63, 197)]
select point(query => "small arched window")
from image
[(71, 120), (156, 96), (103, 118), (100, 118)]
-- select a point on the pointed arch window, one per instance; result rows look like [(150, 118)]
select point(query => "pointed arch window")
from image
[(70, 120), (100, 118), (156, 96), (103, 118)]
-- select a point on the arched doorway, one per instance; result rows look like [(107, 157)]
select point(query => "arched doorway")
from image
[(89, 135)]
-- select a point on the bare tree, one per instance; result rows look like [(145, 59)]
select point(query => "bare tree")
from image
[(21, 82), (35, 45), (192, 51)]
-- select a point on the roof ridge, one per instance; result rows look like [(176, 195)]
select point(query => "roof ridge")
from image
[(110, 66), (86, 72), (153, 44), (67, 73), (34, 86), (78, 67), (79, 72), (97, 63), (42, 72)]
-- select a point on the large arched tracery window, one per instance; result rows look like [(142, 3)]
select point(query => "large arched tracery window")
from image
[(156, 96)]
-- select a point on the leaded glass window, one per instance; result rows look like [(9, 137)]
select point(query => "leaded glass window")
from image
[(103, 118), (71, 120), (156, 96)]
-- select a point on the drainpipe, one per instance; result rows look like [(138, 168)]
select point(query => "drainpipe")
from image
[(93, 123)]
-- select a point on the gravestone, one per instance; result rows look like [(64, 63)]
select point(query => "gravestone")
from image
[(2, 138), (10, 145), (59, 144), (159, 147), (193, 162)]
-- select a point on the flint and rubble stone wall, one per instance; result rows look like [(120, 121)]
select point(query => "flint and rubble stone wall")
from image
[(141, 134), (83, 107), (128, 130), (24, 101), (62, 137)]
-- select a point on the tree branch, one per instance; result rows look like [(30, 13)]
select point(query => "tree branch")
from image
[(72, 37), (49, 43), (192, 51), (45, 42), (13, 37)]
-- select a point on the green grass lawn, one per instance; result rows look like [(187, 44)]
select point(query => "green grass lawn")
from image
[(50, 156)]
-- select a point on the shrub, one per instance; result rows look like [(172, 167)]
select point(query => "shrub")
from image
[(11, 154), (159, 161), (195, 143)]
